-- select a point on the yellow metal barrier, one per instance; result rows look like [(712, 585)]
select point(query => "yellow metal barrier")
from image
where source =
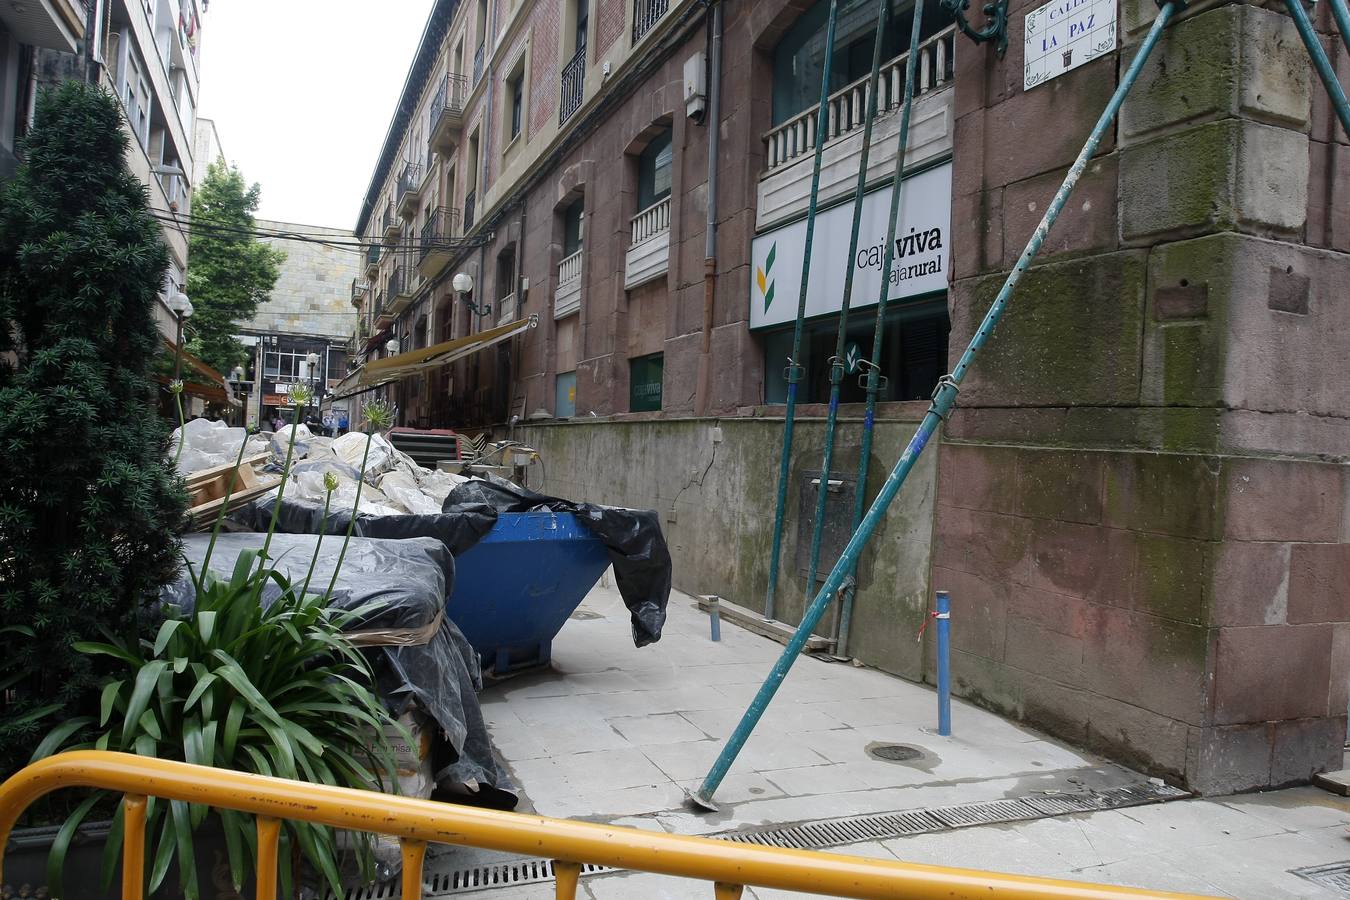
[(728, 865)]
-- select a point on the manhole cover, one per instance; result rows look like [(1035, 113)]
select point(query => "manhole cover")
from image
[(895, 752), (1335, 876)]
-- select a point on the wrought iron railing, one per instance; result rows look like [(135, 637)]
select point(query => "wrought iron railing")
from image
[(409, 179), (478, 63), (449, 99), (847, 107), (398, 282), (651, 221), (372, 254), (439, 231), (470, 199), (359, 290), (573, 85), (647, 13)]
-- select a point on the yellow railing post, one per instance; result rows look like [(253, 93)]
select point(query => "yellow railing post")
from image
[(413, 854), (565, 877), (133, 847), (269, 833), (724, 891)]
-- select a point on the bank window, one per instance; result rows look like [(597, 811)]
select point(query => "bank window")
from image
[(566, 402), (914, 354), (654, 168), (799, 58), (644, 383)]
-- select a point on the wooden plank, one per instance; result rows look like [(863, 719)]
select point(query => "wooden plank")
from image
[(205, 514), (203, 475), (752, 620)]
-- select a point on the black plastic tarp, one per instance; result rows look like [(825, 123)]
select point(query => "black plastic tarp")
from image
[(637, 548), (458, 531), (410, 579)]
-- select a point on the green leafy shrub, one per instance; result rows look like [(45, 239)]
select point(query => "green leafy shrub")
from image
[(237, 683), (89, 506)]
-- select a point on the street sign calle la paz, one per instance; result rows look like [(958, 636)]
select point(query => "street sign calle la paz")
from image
[(1065, 34)]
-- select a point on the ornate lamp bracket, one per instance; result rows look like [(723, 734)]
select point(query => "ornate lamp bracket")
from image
[(995, 29)]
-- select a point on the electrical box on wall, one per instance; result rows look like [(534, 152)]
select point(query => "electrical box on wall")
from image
[(695, 84)]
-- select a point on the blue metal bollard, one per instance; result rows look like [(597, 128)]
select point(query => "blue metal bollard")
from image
[(715, 617), (944, 662)]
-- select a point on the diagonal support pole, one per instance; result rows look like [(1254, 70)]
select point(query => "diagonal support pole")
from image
[(943, 400), (1319, 55), (1342, 17)]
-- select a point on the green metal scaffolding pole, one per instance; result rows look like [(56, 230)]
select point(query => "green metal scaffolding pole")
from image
[(944, 398), (793, 366), (874, 379), (1319, 54), (837, 367)]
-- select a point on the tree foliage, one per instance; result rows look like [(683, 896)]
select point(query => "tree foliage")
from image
[(89, 506), (229, 271)]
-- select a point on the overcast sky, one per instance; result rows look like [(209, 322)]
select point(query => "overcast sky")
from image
[(301, 92)]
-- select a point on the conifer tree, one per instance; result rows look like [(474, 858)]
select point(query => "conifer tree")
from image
[(89, 506), (231, 271)]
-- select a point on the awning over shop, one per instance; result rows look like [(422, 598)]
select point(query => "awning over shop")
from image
[(216, 391), (395, 368)]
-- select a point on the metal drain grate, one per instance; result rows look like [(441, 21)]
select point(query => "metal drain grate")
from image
[(882, 826), (1335, 876), (474, 878), (838, 832)]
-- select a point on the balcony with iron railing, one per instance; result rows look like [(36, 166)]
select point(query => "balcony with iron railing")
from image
[(359, 291), (383, 316), (402, 285), (573, 85), (648, 254), (447, 114), (567, 299), (439, 240), (470, 201), (647, 13), (409, 189), (847, 107), (478, 59), (390, 225), (372, 260)]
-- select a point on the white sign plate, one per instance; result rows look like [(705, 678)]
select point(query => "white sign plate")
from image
[(920, 265), (1065, 34)]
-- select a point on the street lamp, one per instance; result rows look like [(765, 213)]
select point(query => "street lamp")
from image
[(182, 309), (463, 285)]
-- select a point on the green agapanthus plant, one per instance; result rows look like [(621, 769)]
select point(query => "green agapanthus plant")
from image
[(240, 683)]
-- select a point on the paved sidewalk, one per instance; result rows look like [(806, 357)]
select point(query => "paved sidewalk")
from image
[(616, 734)]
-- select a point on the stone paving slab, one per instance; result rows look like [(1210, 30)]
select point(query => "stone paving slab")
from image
[(616, 734)]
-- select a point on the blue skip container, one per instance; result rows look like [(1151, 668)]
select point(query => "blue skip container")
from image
[(516, 588)]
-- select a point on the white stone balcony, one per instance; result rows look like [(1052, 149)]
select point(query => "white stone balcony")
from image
[(506, 309), (567, 299), (785, 185), (649, 252)]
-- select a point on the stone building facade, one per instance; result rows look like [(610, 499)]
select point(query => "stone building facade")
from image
[(308, 311), (1142, 504)]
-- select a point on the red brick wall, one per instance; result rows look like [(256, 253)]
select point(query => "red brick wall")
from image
[(609, 22), (545, 21)]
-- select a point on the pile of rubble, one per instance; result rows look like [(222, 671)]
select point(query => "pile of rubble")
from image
[(394, 484)]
